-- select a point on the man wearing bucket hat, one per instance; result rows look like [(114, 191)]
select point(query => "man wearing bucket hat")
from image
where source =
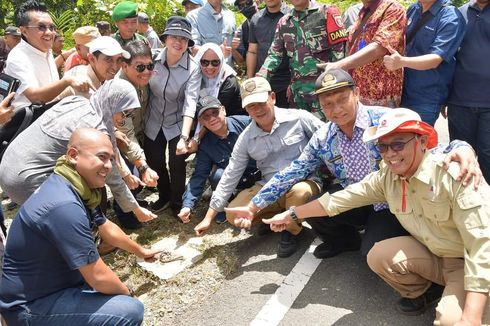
[(338, 146), (125, 16), (214, 153), (448, 249), (273, 139)]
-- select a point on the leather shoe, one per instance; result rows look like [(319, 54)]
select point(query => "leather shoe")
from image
[(288, 245), (332, 248), (417, 306)]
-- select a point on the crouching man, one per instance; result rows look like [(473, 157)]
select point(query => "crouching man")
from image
[(447, 253), (53, 274)]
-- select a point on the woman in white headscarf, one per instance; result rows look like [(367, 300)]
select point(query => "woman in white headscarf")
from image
[(32, 155), (219, 79)]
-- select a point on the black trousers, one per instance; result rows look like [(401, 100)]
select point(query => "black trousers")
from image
[(171, 186), (344, 228)]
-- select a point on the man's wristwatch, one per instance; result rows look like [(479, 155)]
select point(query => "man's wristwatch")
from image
[(292, 213), (142, 168)]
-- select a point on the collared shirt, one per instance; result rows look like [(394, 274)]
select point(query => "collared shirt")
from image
[(32, 67), (472, 75), (441, 35), (262, 28), (153, 38), (449, 219), (213, 152), (80, 71), (303, 37), (174, 91), (207, 29), (386, 27), (136, 37), (74, 60), (326, 148), (272, 151)]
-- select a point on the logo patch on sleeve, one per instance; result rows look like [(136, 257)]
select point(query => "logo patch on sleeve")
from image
[(335, 28)]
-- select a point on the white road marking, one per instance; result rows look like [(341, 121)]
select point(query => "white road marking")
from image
[(278, 305)]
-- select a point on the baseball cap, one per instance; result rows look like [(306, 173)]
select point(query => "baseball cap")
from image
[(401, 120), (108, 46), (12, 30), (143, 18), (207, 102), (125, 9), (255, 90), (178, 26), (333, 79), (196, 2), (85, 35)]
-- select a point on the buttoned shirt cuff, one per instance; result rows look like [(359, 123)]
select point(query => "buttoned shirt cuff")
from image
[(259, 202)]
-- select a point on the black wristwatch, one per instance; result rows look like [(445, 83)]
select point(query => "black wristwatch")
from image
[(142, 168), (292, 213)]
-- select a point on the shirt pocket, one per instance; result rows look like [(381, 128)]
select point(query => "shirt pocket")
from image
[(293, 138), (317, 41), (288, 39), (438, 212), (472, 219)]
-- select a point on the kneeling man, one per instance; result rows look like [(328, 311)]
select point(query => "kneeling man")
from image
[(53, 274), (448, 250)]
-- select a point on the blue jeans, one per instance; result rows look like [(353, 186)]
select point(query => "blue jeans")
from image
[(428, 112), (473, 126), (78, 307)]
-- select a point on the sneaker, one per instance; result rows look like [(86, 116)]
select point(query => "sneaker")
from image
[(417, 306), (159, 206), (332, 248), (220, 218), (288, 245)]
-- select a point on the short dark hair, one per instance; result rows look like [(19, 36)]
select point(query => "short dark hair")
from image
[(96, 54), (22, 12), (137, 48)]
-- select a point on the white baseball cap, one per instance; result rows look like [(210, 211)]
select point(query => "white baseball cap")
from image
[(108, 46)]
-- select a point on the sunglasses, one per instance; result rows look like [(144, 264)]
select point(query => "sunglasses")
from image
[(214, 63), (396, 146), (142, 67), (209, 114), (44, 28)]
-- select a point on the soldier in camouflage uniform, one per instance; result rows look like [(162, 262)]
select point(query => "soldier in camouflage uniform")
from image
[(125, 16), (310, 34)]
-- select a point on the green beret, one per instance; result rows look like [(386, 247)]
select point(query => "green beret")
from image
[(125, 9)]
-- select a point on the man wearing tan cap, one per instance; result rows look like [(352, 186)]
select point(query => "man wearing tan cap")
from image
[(82, 36), (448, 249), (273, 139), (105, 58)]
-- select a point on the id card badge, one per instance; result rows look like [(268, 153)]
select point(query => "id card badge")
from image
[(362, 44)]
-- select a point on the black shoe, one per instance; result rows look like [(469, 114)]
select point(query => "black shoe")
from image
[(143, 203), (288, 245), (333, 248), (127, 220), (417, 306), (159, 206)]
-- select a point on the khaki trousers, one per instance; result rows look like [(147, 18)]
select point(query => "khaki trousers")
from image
[(410, 268), (299, 194)]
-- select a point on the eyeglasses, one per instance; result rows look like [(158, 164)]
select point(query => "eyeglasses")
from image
[(142, 67), (214, 63), (128, 114), (396, 146), (44, 28), (209, 114)]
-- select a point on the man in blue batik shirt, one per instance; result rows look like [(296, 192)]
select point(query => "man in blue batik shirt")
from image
[(339, 146), (434, 32), (214, 153)]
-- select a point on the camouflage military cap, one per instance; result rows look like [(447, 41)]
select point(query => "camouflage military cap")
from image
[(333, 79), (255, 90)]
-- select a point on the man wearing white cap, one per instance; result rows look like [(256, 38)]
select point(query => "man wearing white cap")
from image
[(82, 36), (105, 59), (448, 250)]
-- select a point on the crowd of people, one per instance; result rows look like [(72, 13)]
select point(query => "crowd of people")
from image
[(333, 118)]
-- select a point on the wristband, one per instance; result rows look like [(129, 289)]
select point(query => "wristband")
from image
[(292, 213), (184, 138), (142, 168)]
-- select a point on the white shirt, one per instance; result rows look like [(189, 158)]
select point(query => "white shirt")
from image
[(32, 67)]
